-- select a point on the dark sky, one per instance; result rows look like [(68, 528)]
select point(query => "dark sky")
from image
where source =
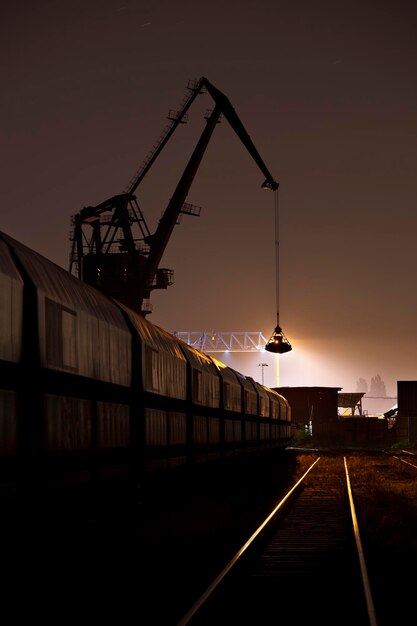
[(326, 90)]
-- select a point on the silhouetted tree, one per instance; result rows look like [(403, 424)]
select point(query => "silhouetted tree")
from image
[(377, 388), (361, 385)]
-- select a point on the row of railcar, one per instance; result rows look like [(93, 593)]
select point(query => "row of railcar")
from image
[(90, 390)]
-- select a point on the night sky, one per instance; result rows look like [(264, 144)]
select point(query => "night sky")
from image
[(326, 90)]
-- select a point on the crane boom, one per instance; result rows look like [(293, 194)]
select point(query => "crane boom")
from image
[(234, 121), (195, 89), (131, 272), (159, 240), (229, 113)]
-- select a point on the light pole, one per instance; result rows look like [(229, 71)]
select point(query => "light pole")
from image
[(262, 365)]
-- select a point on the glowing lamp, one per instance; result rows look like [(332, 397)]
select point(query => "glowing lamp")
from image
[(278, 343)]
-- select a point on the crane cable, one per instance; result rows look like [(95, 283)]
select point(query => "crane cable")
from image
[(277, 252), (278, 343)]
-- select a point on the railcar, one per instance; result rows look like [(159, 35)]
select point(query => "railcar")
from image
[(91, 391)]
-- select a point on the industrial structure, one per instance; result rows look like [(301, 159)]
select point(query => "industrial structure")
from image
[(223, 341), (350, 403), (112, 247), (317, 411)]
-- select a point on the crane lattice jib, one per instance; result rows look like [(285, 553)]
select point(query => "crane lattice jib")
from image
[(195, 89)]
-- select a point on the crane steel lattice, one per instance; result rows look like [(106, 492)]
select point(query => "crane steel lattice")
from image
[(221, 341)]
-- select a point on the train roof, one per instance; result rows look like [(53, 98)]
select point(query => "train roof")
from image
[(60, 286), (7, 265), (153, 335)]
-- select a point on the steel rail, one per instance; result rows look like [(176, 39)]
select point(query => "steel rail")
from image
[(364, 572), (196, 607)]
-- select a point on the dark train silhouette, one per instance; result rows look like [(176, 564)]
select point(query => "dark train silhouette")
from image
[(91, 390)]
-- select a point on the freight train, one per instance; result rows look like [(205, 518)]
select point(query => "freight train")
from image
[(90, 390)]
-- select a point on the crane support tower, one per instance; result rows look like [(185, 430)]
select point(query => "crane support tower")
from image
[(111, 245)]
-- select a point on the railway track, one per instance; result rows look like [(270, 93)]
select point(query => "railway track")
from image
[(307, 562), (310, 561), (168, 558)]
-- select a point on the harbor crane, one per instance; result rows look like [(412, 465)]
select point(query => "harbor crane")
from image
[(112, 246)]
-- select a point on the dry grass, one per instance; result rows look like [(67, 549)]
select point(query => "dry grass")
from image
[(385, 493), (385, 496)]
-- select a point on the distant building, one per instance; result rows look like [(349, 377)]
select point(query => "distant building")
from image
[(312, 408), (406, 418), (407, 398), (317, 411)]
